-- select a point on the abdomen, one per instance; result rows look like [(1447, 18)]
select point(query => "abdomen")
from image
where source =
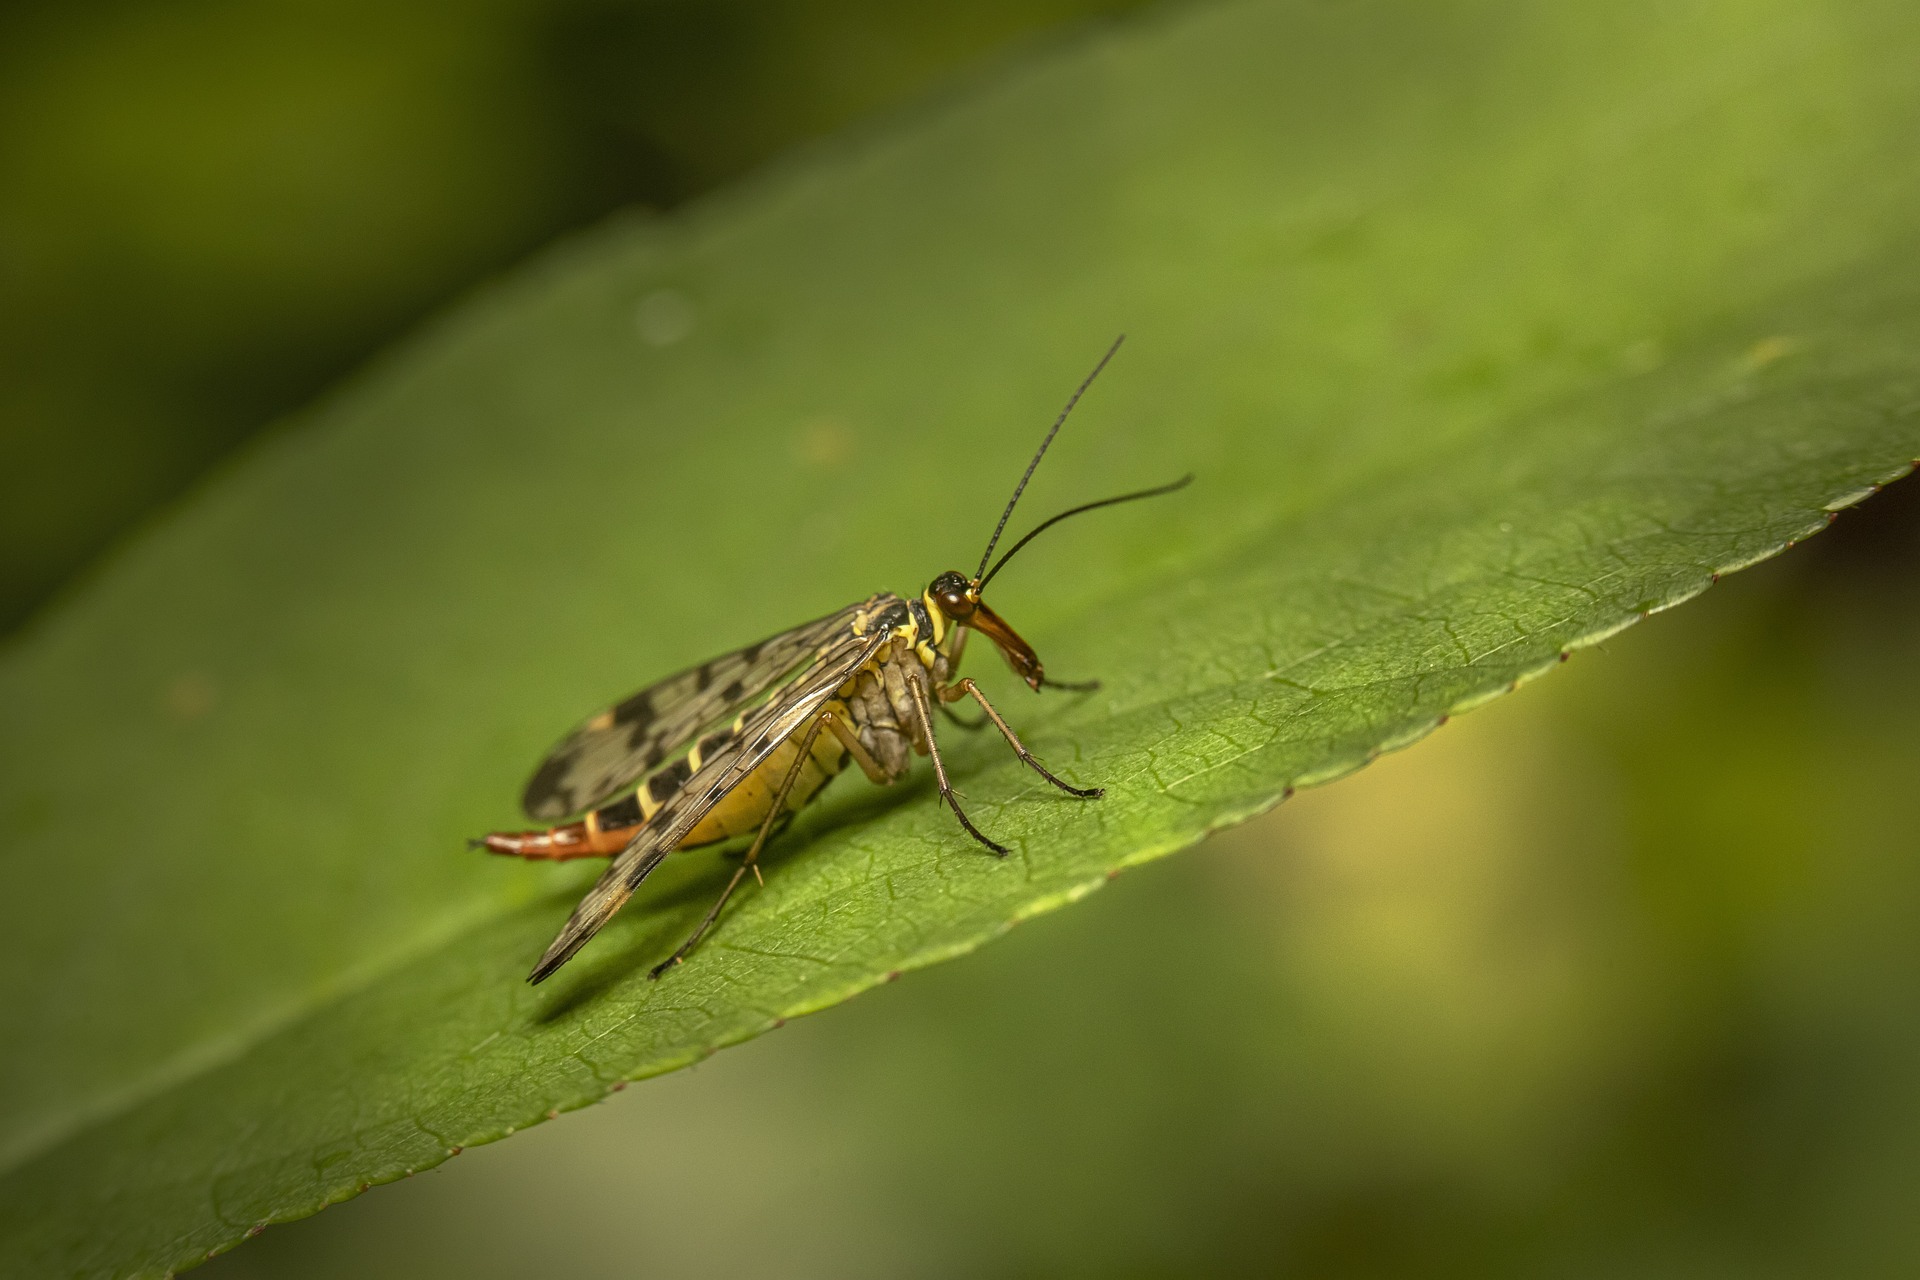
[(608, 829)]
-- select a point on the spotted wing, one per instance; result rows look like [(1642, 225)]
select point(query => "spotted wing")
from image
[(766, 728), (614, 749)]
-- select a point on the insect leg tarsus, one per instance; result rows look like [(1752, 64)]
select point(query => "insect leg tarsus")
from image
[(1019, 748), (1072, 686), (751, 862), (699, 932), (917, 684)]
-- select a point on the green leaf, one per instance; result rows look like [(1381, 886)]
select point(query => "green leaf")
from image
[(1644, 936), (1488, 328)]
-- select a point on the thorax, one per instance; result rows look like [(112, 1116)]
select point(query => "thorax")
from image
[(915, 633), (878, 699)]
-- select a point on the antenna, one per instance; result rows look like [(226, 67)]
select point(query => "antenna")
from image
[(1044, 525), (1020, 488)]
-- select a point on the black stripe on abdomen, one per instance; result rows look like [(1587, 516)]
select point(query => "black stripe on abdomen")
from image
[(662, 786), (624, 812)]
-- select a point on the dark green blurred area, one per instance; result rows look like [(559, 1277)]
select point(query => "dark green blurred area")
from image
[(211, 209), (1619, 976)]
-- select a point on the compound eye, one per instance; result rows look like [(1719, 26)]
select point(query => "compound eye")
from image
[(949, 591)]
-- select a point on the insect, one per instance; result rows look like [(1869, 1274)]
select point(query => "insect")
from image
[(742, 742)]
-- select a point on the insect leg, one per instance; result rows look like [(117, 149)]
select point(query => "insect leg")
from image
[(1019, 748), (959, 649), (800, 759), (876, 773), (953, 664), (780, 826), (916, 682)]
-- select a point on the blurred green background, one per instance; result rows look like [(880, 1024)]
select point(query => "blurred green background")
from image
[(211, 209), (1620, 976)]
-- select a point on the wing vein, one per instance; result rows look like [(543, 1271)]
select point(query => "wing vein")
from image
[(631, 739), (765, 729)]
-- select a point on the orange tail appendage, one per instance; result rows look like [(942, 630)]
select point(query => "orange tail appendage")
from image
[(558, 844)]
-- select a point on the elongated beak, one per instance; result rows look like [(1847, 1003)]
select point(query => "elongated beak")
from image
[(1018, 653)]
